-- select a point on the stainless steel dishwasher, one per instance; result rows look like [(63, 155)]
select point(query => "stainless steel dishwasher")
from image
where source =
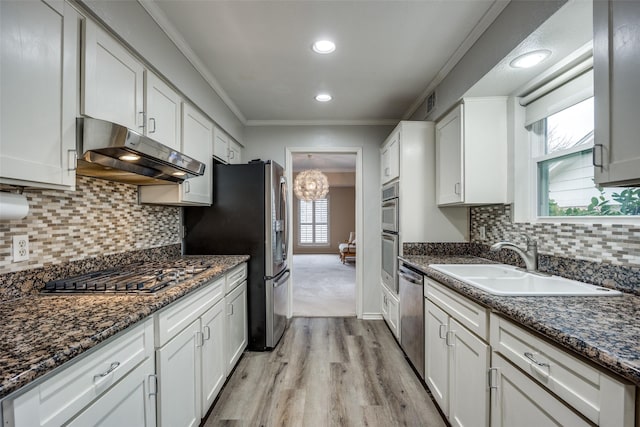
[(412, 316)]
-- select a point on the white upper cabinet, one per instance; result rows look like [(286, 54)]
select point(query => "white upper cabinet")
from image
[(471, 153), (390, 157), (225, 148), (39, 75), (162, 111), (197, 140), (113, 80), (616, 50)]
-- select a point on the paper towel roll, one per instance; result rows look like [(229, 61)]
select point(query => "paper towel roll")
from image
[(13, 206)]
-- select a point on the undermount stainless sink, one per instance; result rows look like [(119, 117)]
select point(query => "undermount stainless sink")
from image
[(506, 280)]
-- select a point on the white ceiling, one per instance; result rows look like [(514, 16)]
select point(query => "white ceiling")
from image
[(568, 34), (326, 162), (390, 53)]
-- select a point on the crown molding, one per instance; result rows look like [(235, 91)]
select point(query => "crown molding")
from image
[(161, 19), (485, 21), (373, 122)]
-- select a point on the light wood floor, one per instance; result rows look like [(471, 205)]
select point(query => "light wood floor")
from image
[(326, 372)]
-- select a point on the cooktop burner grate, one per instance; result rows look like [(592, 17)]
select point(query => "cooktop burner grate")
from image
[(141, 278)]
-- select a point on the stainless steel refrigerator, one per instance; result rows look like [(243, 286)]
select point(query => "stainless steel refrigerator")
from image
[(249, 216)]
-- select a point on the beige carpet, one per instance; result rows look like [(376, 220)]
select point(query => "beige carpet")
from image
[(323, 286)]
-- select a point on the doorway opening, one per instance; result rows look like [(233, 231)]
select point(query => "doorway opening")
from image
[(325, 283)]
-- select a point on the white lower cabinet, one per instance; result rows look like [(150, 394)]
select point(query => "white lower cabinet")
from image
[(213, 357), (236, 324), (456, 364), (130, 402), (112, 384), (391, 310), (519, 401), (179, 381), (536, 383)]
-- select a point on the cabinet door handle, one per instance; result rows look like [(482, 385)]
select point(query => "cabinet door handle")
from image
[(112, 368), (532, 358), (187, 187), (232, 154), (449, 338), (143, 120), (207, 335), (229, 309), (152, 120), (442, 330), (593, 156), (387, 171), (492, 379), (153, 379), (199, 339), (456, 188), (72, 159)]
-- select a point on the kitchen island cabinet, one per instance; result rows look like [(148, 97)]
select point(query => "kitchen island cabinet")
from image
[(38, 53)]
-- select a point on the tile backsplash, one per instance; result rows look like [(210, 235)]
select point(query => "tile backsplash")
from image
[(615, 244), (99, 218)]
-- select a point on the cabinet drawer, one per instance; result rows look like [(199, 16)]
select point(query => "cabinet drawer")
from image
[(235, 277), (56, 400), (471, 315), (598, 396), (170, 321)]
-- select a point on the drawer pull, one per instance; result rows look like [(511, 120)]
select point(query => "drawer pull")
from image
[(441, 331), (112, 368), (532, 358)]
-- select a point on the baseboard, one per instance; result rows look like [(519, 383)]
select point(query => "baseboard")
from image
[(372, 316)]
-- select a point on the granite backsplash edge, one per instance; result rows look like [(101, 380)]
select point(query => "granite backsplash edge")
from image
[(622, 278), (23, 283)]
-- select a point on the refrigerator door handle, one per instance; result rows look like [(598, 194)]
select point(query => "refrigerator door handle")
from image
[(285, 216), (284, 277)]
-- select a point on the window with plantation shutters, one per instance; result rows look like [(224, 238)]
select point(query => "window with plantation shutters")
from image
[(314, 222)]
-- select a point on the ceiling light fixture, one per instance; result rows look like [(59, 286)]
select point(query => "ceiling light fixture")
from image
[(178, 173), (310, 185), (323, 97), (530, 59), (323, 46), (129, 157)]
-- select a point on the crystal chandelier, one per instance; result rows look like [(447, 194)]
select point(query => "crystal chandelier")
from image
[(311, 185)]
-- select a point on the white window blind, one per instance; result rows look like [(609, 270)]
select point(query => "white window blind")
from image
[(314, 222)]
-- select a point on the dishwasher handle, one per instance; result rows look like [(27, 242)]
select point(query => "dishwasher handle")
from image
[(410, 276)]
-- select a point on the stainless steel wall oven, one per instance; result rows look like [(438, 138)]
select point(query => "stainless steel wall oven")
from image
[(390, 223)]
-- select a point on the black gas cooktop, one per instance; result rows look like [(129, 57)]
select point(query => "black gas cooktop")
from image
[(141, 278)]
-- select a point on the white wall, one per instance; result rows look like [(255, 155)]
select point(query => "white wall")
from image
[(131, 22), (270, 142)]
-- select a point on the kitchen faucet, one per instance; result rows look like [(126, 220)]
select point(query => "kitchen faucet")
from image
[(528, 255)]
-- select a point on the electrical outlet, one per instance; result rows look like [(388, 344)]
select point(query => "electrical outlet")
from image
[(483, 232), (20, 248)]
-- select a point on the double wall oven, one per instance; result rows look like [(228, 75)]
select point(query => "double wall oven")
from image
[(390, 220)]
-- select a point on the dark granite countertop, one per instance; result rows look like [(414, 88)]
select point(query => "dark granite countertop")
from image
[(41, 332), (604, 330)]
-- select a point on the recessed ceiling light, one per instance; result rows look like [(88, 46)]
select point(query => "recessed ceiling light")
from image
[(323, 46), (129, 157), (323, 97), (530, 59)]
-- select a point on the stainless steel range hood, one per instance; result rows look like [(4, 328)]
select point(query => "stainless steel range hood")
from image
[(103, 147)]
